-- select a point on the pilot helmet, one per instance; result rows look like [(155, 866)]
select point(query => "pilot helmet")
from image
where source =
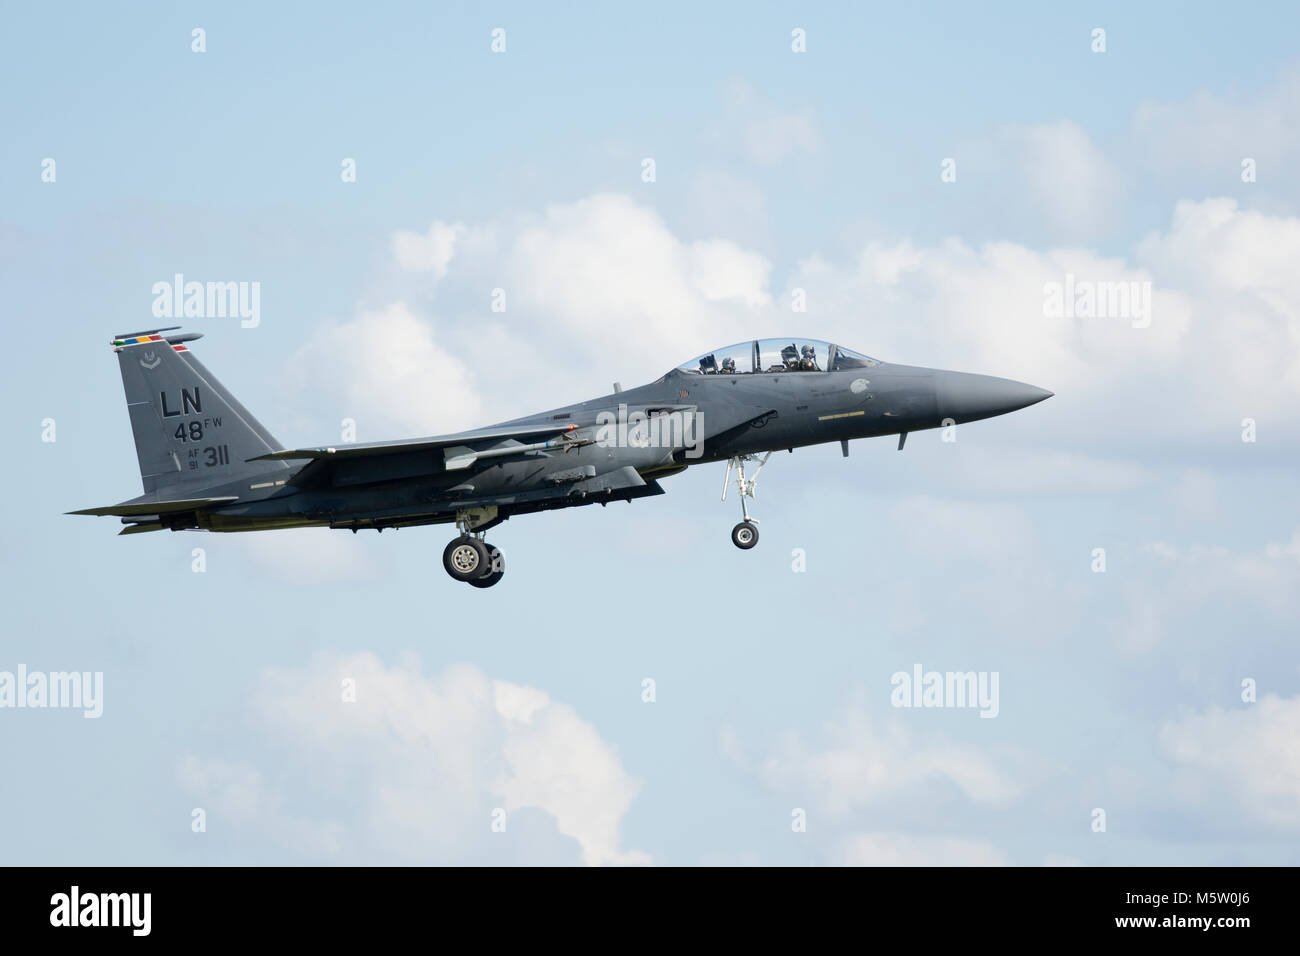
[(728, 364), (809, 352)]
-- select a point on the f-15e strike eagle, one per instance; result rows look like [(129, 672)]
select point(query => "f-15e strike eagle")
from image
[(207, 463)]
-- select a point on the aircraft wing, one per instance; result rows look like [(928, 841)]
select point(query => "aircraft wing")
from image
[(366, 449)]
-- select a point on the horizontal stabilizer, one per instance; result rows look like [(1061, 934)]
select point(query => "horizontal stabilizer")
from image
[(128, 509), (417, 444)]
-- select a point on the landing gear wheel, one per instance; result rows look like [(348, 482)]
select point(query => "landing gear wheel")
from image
[(496, 569), (466, 558), (744, 535)]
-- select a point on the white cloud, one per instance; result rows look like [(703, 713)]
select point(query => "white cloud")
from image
[(239, 795), (1252, 753), (1073, 182), (898, 849), (431, 252), (1166, 584), (768, 133), (984, 310), (580, 282), (1224, 313), (413, 769), (1170, 138), (584, 279), (860, 764), (1048, 177), (721, 270), (1241, 265), (876, 772), (605, 268), (386, 371)]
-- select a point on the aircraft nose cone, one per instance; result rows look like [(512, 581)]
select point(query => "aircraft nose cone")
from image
[(967, 398)]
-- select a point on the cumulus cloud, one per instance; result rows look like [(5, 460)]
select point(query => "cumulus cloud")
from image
[(1240, 265), (415, 767), (897, 849), (1071, 180), (242, 798), (578, 283), (430, 252), (1224, 301), (986, 309), (1168, 585), (581, 280), (1252, 754), (387, 372), (860, 763), (859, 769), (1054, 179), (1209, 133), (768, 133), (607, 267), (1047, 178)]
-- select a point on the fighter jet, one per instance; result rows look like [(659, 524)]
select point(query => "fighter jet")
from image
[(208, 464)]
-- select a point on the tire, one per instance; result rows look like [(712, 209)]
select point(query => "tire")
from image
[(744, 535), (465, 558), (496, 569)]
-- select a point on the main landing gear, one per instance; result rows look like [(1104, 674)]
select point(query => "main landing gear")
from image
[(745, 534), (470, 559)]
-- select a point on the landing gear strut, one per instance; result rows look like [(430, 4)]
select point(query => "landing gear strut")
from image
[(470, 559), (745, 534)]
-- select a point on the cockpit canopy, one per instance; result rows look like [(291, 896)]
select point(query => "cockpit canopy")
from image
[(777, 355)]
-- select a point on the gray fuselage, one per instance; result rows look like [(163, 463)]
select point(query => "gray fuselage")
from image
[(734, 415)]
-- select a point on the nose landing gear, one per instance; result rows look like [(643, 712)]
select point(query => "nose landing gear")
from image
[(745, 534)]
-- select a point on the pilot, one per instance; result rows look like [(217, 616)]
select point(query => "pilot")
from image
[(728, 366), (808, 361)]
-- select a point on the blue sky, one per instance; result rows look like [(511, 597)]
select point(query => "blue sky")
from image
[(775, 172)]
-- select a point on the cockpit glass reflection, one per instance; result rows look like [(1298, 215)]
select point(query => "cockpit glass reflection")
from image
[(777, 355)]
